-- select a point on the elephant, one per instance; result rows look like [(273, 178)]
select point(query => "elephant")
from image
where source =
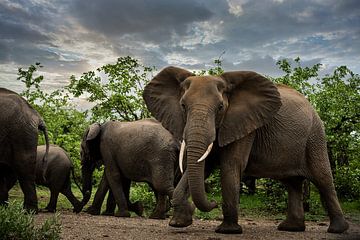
[(140, 151), (57, 177), (19, 126), (249, 126)]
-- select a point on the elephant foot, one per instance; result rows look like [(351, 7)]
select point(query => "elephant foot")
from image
[(182, 216), (50, 209), (137, 207), (93, 211), (338, 225), (31, 208), (77, 208), (108, 213), (158, 215), (229, 228), (124, 213), (292, 226)]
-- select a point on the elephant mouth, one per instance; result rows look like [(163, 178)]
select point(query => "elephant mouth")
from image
[(182, 152)]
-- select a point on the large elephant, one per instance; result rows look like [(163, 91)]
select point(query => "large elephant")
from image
[(141, 151), (19, 126), (254, 127)]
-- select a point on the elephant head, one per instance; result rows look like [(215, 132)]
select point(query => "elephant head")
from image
[(201, 110), (90, 157)]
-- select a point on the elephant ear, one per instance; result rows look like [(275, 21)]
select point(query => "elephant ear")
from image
[(253, 101), (162, 97), (93, 132)]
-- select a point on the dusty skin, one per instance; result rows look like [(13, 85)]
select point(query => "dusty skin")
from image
[(85, 226)]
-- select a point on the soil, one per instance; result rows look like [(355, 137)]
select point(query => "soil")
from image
[(85, 226)]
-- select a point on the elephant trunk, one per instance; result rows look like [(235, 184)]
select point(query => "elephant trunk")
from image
[(87, 173), (198, 139)]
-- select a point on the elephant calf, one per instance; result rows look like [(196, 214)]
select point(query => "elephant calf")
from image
[(141, 151), (57, 176)]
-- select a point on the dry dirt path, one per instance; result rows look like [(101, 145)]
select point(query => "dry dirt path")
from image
[(85, 226)]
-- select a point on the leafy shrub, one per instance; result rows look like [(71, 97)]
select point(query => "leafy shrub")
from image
[(347, 181), (274, 194), (143, 193), (15, 223)]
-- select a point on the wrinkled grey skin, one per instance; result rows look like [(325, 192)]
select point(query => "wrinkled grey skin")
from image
[(258, 129), (141, 151), (19, 126), (57, 177)]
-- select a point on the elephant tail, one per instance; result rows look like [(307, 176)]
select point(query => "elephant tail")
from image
[(42, 127)]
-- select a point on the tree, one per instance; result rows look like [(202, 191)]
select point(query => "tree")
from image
[(115, 89), (64, 122)]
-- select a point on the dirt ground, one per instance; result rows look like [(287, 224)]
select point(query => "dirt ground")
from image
[(85, 226)]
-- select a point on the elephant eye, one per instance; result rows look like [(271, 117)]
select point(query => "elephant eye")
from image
[(221, 106), (183, 107)]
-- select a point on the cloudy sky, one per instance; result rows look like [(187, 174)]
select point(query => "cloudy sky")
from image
[(74, 36)]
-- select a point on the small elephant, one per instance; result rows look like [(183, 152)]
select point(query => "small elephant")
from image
[(19, 127), (141, 151), (57, 177), (249, 126)]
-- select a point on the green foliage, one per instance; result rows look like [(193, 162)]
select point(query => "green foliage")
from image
[(143, 193), (116, 89), (298, 77), (274, 194), (347, 180), (15, 223), (338, 103), (64, 122)]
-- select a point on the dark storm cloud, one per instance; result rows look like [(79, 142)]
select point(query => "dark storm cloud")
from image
[(75, 36), (154, 19)]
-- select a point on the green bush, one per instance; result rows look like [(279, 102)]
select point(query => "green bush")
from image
[(143, 193), (274, 195), (15, 223), (347, 181)]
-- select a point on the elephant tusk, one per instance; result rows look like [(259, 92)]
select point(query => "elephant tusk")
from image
[(181, 156), (206, 153)]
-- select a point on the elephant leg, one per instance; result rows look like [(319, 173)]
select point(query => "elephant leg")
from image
[(115, 182), (136, 207), (183, 210), (54, 194), (26, 176), (160, 209), (321, 177), (72, 199), (233, 161), (30, 198), (163, 188), (110, 205), (327, 191), (7, 181), (4, 194), (100, 194), (294, 221)]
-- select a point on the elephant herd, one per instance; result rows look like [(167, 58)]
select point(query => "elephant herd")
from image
[(239, 122)]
